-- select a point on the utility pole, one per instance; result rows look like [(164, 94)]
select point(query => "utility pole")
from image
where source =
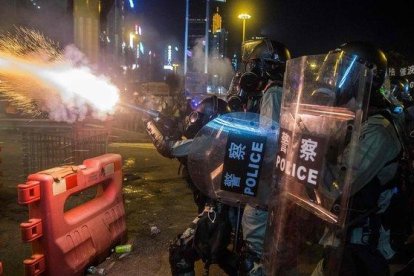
[(207, 37), (187, 17)]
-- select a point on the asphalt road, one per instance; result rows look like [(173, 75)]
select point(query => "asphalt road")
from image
[(155, 195), (160, 198)]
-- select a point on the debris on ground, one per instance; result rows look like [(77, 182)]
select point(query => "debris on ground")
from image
[(131, 177), (155, 230), (93, 270)]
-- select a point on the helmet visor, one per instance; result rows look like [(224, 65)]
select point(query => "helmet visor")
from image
[(343, 76)]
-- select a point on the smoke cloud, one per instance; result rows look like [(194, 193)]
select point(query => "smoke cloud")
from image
[(216, 64), (74, 56), (35, 74)]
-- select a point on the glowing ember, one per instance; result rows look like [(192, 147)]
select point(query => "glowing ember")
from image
[(31, 69), (72, 82)]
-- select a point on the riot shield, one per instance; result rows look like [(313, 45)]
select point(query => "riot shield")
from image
[(324, 100), (231, 158)]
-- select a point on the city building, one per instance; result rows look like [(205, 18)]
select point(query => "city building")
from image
[(218, 53), (218, 37), (52, 17), (112, 32), (203, 41), (86, 17)]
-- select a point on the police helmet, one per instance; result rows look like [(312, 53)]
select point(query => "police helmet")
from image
[(374, 58), (266, 58), (235, 103), (208, 109), (400, 86)]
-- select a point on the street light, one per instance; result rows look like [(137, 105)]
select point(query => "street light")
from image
[(244, 17), (131, 40)]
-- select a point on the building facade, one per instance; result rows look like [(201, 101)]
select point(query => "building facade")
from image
[(86, 16), (205, 41)]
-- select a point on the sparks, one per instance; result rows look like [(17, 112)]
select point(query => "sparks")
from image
[(32, 69)]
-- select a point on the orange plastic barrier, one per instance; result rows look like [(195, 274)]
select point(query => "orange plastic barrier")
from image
[(66, 243)]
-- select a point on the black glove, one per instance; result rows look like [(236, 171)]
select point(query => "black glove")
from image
[(166, 125), (160, 141)]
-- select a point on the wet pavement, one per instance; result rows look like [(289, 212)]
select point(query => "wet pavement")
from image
[(155, 196), (159, 198)]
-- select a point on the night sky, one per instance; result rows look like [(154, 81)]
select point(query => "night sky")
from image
[(304, 26)]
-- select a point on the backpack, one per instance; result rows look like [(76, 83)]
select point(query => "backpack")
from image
[(213, 233)]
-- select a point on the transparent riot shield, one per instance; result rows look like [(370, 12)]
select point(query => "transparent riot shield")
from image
[(324, 100), (231, 158)]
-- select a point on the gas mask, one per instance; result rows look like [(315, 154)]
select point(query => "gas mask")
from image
[(207, 110), (250, 88)]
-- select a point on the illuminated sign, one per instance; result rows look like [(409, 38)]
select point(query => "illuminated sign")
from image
[(406, 72), (169, 58)]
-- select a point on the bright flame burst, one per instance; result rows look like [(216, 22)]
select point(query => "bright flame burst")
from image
[(32, 68)]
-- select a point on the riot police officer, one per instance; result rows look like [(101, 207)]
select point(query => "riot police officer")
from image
[(400, 88), (338, 159), (263, 67), (260, 91), (204, 238), (167, 136), (367, 236)]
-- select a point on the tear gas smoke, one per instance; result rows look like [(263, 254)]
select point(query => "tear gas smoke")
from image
[(216, 64), (35, 73)]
